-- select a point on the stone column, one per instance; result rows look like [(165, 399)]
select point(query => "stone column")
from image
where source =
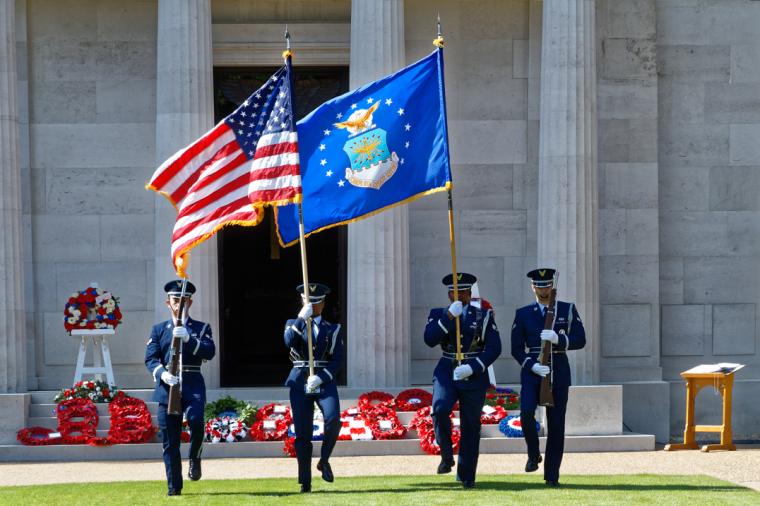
[(12, 316), (379, 349), (184, 111), (567, 175)]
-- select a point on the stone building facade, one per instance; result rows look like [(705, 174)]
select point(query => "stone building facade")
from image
[(615, 139)]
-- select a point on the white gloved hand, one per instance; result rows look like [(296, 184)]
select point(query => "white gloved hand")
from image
[(455, 308), (182, 333), (461, 372), (305, 312), (169, 378), (549, 335), (313, 382), (541, 370)]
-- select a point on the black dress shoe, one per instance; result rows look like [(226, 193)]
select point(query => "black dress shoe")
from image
[(194, 473), (445, 467), (532, 464), (174, 491), (552, 483), (468, 484), (326, 470), (305, 489)]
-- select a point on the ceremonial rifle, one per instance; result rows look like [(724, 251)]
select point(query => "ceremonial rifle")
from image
[(175, 391), (546, 398)]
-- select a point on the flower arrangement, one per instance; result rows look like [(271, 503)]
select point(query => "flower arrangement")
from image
[(423, 424), (225, 429), (77, 420), (91, 308), (385, 424), (504, 397), (37, 436), (271, 423), (491, 415), (96, 391), (227, 405), (511, 426), (130, 421), (413, 399), (368, 401)]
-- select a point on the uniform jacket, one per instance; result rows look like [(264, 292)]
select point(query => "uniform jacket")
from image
[(327, 346), (479, 334), (526, 340), (198, 349)]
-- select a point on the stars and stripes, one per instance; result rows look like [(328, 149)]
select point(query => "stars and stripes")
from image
[(248, 160)]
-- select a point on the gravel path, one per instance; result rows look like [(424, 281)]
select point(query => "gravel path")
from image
[(741, 467)]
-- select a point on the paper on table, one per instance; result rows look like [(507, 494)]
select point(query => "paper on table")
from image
[(724, 367)]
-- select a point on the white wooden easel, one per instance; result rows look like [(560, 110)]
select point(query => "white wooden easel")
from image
[(101, 358)]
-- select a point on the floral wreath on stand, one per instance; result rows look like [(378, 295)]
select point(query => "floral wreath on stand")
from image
[(271, 423), (413, 399), (491, 415), (385, 424), (369, 401), (512, 427), (91, 308)]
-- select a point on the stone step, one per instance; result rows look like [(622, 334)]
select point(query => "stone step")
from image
[(48, 410), (18, 453)]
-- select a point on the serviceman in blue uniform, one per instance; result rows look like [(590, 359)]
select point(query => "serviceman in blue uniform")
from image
[(197, 347), (305, 390), (528, 335), (466, 382)]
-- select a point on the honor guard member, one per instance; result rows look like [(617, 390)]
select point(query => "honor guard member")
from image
[(305, 390), (466, 382), (197, 347), (528, 335)]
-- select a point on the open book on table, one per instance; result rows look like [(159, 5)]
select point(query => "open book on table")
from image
[(723, 367)]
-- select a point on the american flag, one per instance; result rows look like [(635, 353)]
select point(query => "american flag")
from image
[(247, 161)]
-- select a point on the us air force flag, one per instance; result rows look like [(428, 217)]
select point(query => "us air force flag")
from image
[(375, 147)]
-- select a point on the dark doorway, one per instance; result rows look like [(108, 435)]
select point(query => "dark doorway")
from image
[(257, 278)]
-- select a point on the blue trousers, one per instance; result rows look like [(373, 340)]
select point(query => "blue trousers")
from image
[(170, 427), (302, 406), (555, 419), (470, 407)]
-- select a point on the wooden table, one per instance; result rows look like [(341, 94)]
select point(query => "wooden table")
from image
[(696, 381)]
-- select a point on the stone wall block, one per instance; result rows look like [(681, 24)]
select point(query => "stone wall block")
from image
[(622, 99), (734, 188), (671, 280), (111, 106), (628, 185), (713, 280), (626, 330), (490, 233), (695, 144), (124, 279), (745, 62), (63, 101), (98, 191), (743, 146), (628, 279), (628, 58), (474, 141), (628, 140), (127, 237), (683, 330), (695, 63), (732, 103), (67, 238), (482, 187), (684, 188), (734, 329)]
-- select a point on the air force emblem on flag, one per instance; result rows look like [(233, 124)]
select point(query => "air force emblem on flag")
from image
[(372, 163)]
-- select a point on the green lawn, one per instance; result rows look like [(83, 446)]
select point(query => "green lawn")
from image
[(393, 490)]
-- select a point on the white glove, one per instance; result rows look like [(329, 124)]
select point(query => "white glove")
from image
[(313, 382), (305, 312), (181, 332), (455, 308), (541, 370), (169, 378), (461, 372), (549, 335)]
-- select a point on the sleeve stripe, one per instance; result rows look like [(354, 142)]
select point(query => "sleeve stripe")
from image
[(294, 329), (525, 361), (334, 340), (328, 373), (197, 346), (443, 327), (481, 363), (159, 366)]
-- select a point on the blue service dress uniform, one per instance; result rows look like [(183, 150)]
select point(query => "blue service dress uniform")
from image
[(481, 346), (327, 347), (526, 346), (200, 347)]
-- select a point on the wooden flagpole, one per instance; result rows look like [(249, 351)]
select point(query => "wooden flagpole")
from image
[(301, 237), (438, 42)]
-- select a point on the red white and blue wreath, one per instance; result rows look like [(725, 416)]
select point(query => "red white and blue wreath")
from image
[(91, 308), (225, 429), (511, 426)]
